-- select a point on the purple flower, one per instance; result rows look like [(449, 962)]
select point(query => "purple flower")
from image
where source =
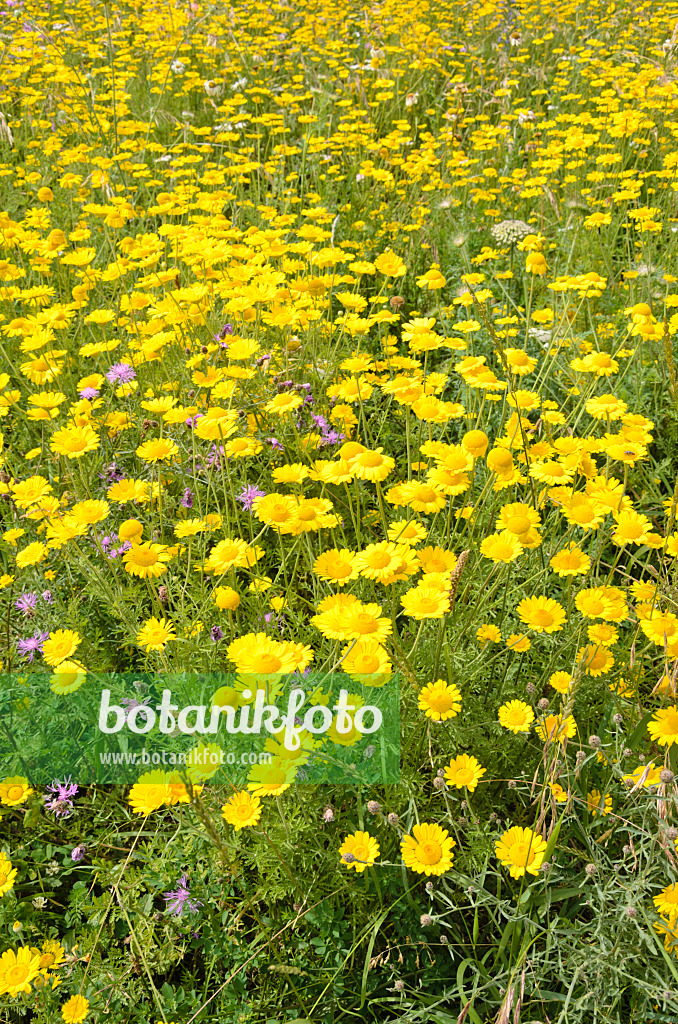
[(47, 596), (187, 500), (217, 634), (121, 373), (248, 495), (112, 474), (31, 644), (181, 898), (78, 852), (89, 393), (215, 455), (61, 802), (225, 330), (275, 444), (131, 703), (192, 420), (328, 435), (26, 603)]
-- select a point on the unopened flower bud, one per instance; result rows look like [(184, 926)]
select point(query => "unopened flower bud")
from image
[(399, 985), (512, 784), (328, 814), (618, 719), (580, 756), (543, 704), (373, 807), (396, 302), (530, 688), (393, 819), (671, 834), (626, 752), (631, 912), (590, 869), (666, 776), (348, 858), (438, 783), (162, 595), (425, 920), (595, 742)]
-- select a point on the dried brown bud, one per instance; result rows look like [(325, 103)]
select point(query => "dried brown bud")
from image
[(162, 595), (396, 302)]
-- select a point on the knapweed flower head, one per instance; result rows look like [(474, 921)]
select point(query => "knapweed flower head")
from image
[(180, 899)]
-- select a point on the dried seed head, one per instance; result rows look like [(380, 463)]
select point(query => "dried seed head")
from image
[(396, 302)]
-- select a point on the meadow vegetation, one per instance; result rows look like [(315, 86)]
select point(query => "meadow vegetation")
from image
[(339, 337)]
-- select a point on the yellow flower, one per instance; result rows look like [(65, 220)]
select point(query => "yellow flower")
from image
[(31, 555), (560, 681), (146, 560), (75, 1009), (242, 810), (14, 791), (440, 700), (464, 771), (596, 804), (60, 646), (487, 633), (542, 614), (516, 716), (7, 875), (155, 634), (68, 677), (226, 598), (150, 792), (157, 451), (424, 602), (663, 727), (501, 547), (666, 903), (336, 566), (359, 851), (74, 442), (520, 850), (389, 264), (17, 971), (571, 561), (428, 851), (552, 728)]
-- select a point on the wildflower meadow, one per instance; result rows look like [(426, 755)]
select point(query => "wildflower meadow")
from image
[(337, 359)]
